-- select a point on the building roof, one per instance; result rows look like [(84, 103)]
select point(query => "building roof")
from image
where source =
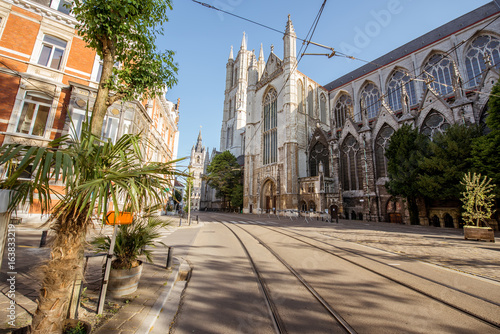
[(433, 36)]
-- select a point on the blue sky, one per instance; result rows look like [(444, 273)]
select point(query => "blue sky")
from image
[(202, 38)]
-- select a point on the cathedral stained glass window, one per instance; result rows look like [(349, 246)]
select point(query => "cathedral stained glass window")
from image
[(440, 70), (395, 88), (351, 164), (475, 62), (434, 123), (381, 143), (270, 152), (343, 108), (370, 97)]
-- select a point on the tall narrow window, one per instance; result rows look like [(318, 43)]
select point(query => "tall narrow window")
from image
[(381, 144), (34, 114), (52, 52), (342, 109), (481, 46), (395, 90), (351, 167), (300, 96), (322, 108), (440, 70), (310, 102), (370, 96), (270, 135)]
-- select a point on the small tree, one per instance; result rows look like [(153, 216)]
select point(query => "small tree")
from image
[(124, 33), (224, 175), (477, 198), (407, 148)]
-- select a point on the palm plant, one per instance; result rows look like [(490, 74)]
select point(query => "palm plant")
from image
[(131, 241), (94, 173)]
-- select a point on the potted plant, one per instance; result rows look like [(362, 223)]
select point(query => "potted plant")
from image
[(132, 242), (478, 201)]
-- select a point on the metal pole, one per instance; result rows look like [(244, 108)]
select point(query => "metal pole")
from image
[(189, 203), (43, 240), (104, 287), (169, 257)]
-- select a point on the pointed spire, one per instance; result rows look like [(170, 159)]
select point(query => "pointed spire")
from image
[(243, 42), (261, 53), (289, 26), (231, 57), (199, 145)]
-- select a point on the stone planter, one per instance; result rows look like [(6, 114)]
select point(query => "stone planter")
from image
[(124, 281), (479, 233)]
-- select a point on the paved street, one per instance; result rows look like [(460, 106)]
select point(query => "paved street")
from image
[(378, 277)]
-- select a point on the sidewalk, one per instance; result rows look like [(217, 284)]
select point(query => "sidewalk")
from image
[(135, 313)]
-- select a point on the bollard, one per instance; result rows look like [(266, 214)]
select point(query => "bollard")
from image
[(197, 219), (180, 221), (169, 257), (43, 240)]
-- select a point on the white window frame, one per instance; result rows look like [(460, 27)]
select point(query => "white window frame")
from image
[(53, 47), (20, 108)]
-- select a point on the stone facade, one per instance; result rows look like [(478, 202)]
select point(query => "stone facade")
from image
[(315, 148)]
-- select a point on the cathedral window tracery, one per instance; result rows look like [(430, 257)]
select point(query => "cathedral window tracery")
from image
[(351, 164), (439, 71), (343, 108), (475, 61), (434, 123), (395, 90), (270, 119), (381, 143), (319, 154), (370, 100)]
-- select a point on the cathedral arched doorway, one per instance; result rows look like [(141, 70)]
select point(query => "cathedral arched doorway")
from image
[(448, 221), (334, 212), (268, 199)]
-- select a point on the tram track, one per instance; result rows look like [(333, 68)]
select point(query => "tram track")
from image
[(489, 322), (278, 323)]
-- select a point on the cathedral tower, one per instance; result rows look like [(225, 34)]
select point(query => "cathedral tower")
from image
[(235, 100), (197, 169)]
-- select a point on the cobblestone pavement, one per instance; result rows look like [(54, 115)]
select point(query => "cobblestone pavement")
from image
[(445, 247)]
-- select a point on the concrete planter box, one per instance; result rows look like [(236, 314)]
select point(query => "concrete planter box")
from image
[(479, 233)]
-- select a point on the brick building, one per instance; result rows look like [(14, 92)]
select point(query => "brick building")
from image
[(49, 79)]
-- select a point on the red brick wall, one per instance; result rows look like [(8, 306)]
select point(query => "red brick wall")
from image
[(20, 39), (80, 57)]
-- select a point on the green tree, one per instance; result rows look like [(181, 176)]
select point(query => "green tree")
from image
[(406, 150), (224, 175), (124, 33), (486, 149), (448, 160), (94, 174)]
